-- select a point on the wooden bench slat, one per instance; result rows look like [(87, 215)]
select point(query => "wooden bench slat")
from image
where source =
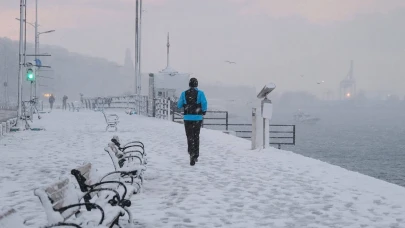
[(63, 194), (60, 195), (85, 170)]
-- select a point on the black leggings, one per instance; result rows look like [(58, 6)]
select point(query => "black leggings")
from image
[(193, 137)]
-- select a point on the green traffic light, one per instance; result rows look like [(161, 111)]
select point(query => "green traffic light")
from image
[(30, 75)]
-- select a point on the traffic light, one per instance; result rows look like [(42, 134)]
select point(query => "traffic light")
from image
[(30, 75)]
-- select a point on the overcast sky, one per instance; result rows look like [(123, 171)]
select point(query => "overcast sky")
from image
[(271, 40)]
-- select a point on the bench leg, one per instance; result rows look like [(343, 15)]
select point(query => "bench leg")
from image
[(129, 216)]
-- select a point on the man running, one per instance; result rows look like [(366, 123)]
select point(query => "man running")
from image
[(195, 106)]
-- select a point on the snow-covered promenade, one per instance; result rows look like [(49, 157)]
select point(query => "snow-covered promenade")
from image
[(230, 186)]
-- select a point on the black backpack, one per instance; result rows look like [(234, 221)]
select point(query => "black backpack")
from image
[(191, 107)]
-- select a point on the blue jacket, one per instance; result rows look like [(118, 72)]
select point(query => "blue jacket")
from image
[(201, 99)]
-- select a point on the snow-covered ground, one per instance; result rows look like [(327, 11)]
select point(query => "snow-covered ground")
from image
[(230, 186)]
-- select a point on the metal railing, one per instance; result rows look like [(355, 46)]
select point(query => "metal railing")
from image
[(178, 116), (285, 137), (136, 104), (167, 109), (8, 118), (278, 136), (162, 109), (7, 111), (10, 107)]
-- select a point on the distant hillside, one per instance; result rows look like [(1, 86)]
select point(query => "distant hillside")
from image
[(71, 73)]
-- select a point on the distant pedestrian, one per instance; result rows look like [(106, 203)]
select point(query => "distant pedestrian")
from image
[(64, 102), (51, 101), (195, 106)]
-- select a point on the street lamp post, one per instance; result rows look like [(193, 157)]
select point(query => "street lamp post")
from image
[(139, 49), (5, 83), (36, 43), (138, 25), (136, 46), (21, 62), (35, 26), (34, 84)]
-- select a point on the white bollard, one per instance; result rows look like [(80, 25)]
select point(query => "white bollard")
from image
[(267, 113), (257, 129), (262, 136)]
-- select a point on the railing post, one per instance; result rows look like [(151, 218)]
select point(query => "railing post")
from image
[(254, 129), (202, 122), (293, 134), (146, 106), (266, 133), (4, 127), (139, 104), (8, 126), (157, 103), (168, 109), (227, 120), (154, 107)]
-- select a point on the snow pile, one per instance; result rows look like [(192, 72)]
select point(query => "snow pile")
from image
[(230, 186)]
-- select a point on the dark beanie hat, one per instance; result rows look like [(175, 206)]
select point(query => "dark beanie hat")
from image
[(193, 82)]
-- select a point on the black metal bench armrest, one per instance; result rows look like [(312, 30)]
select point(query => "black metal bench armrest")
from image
[(131, 146), (81, 180), (116, 200), (131, 156), (117, 195), (134, 151), (128, 144), (93, 205), (111, 182), (123, 174), (63, 224)]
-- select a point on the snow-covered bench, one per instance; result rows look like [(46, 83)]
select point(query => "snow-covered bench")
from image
[(111, 120), (63, 206), (134, 168), (135, 148), (113, 191), (88, 178), (9, 218)]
